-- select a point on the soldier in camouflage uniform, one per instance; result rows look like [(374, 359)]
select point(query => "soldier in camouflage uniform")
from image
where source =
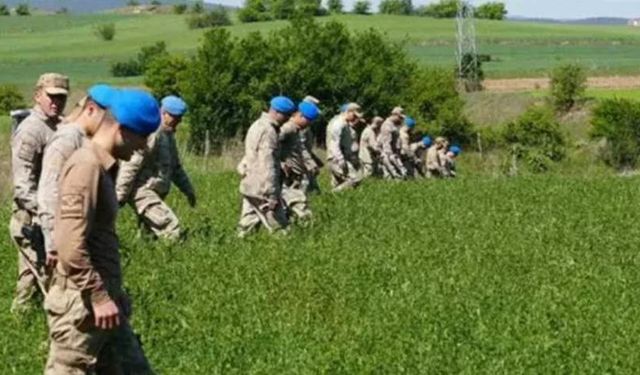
[(449, 161), (314, 163), (86, 119), (419, 153), (406, 154), (145, 181), (294, 159), (261, 183), (27, 148), (389, 145), (369, 151), (342, 162), (434, 162)]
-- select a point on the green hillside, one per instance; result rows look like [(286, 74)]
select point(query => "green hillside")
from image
[(31, 45)]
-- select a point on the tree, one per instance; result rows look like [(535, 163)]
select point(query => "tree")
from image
[(492, 11), (133, 3), (23, 10), (618, 122), (215, 17), (106, 31), (568, 86), (335, 6), (442, 9), (162, 75), (254, 11), (283, 9), (362, 7), (404, 7), (198, 7), (4, 10)]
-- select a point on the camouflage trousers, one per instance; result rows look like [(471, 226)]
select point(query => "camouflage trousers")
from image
[(155, 214), (343, 176), (255, 213), (295, 198), (370, 169), (392, 167), (77, 347)]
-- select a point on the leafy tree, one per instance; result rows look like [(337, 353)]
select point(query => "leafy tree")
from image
[(179, 8), (10, 99), (161, 75), (309, 8), (156, 2), (618, 121), (133, 3), (23, 10), (362, 7), (4, 10), (198, 7), (441, 9), (404, 7), (492, 11), (106, 31), (335, 6), (254, 11), (215, 17), (568, 86), (282, 9), (139, 65)]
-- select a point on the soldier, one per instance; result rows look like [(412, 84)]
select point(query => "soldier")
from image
[(418, 151), (449, 165), (69, 137), (145, 181), (406, 154), (434, 161), (369, 153), (314, 163), (27, 148), (389, 145), (87, 309), (295, 158), (261, 185), (340, 158)]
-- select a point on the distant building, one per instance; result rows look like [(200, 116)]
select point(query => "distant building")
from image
[(634, 22)]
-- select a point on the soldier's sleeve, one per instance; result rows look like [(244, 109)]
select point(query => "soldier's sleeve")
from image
[(385, 141), (76, 212), (52, 163), (24, 152), (180, 176), (267, 149), (335, 150), (127, 175)]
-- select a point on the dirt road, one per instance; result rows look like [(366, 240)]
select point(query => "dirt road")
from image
[(532, 84)]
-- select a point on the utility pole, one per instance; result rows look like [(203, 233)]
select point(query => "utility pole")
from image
[(467, 54)]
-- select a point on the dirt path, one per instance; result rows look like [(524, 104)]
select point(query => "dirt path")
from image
[(531, 84)]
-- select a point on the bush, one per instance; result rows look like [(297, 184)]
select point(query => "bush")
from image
[(133, 3), (129, 68), (362, 7), (10, 99), (62, 11), (156, 2), (4, 10), (23, 10), (442, 9), (254, 11), (404, 7), (179, 8), (568, 86), (136, 67), (162, 75), (198, 7), (335, 6), (491, 11), (536, 138), (106, 31), (214, 18), (618, 121)]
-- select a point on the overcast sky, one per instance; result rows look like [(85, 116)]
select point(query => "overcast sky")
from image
[(564, 9)]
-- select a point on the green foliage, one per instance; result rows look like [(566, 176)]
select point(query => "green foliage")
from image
[(106, 31), (265, 10), (213, 18), (10, 99), (138, 66), (402, 7), (129, 68), (491, 11), (161, 75), (618, 121), (197, 7), (156, 2), (4, 10), (568, 85), (362, 7), (536, 138), (472, 72), (23, 10), (254, 11), (335, 6), (180, 8), (133, 3), (62, 11), (441, 9)]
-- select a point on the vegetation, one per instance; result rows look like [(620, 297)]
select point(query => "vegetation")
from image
[(197, 7), (23, 10), (441, 9), (568, 86), (262, 10), (139, 65), (491, 11), (618, 122), (10, 99), (4, 10), (213, 18), (180, 8), (335, 6), (362, 7), (162, 73), (106, 31), (401, 7)]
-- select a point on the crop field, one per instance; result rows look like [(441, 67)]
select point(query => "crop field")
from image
[(34, 44)]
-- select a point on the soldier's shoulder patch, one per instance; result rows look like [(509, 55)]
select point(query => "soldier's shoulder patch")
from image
[(72, 206), (28, 150)]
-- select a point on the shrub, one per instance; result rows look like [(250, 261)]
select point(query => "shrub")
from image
[(216, 17), (10, 99), (568, 86), (403, 7), (129, 68), (4, 10), (254, 11), (618, 121), (362, 7), (491, 11), (62, 11), (133, 3), (156, 2), (106, 31), (536, 138), (23, 10), (137, 66), (198, 7), (162, 75), (441, 9), (335, 6), (179, 8)]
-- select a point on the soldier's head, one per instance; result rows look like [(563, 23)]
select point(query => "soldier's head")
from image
[(51, 94), (352, 113), (173, 109), (410, 123), (307, 113), (281, 109), (440, 142), (92, 110), (426, 141), (397, 115), (133, 116), (377, 122), (454, 151)]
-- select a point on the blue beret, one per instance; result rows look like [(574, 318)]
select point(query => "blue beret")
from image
[(426, 140), (309, 110), (103, 95), (283, 104), (137, 111), (174, 105), (410, 122), (343, 108), (456, 150)]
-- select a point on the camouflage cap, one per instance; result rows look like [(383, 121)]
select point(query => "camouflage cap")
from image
[(355, 108), (398, 111), (311, 99), (54, 84)]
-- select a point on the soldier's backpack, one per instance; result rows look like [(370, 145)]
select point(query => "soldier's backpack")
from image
[(17, 116)]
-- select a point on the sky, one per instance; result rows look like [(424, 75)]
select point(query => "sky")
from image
[(559, 9)]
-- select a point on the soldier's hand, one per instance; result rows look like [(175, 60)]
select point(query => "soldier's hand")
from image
[(192, 200), (52, 259), (272, 204), (107, 315)]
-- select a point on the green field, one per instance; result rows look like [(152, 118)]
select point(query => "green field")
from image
[(31, 45)]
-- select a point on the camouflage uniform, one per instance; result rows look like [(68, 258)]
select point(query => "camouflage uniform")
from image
[(434, 162), (369, 152), (406, 154), (89, 273), (294, 158), (340, 159), (448, 166), (27, 148), (389, 143), (313, 164), (261, 182), (418, 152), (145, 181)]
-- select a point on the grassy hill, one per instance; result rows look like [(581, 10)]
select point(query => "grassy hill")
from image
[(31, 45)]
